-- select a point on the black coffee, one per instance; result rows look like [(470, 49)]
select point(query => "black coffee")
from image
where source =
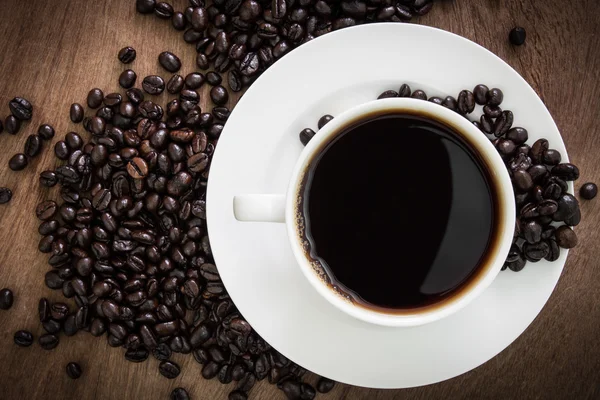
[(399, 210)]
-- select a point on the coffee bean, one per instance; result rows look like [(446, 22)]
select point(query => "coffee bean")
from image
[(202, 61), (566, 171), (532, 231), (23, 338), (324, 120), (21, 108), (6, 299), (480, 93), (419, 94), (12, 124), (588, 191), (551, 157), (517, 265), (163, 10), (218, 95), (535, 252), (76, 113), (234, 80), (48, 341), (127, 54), (210, 370), (137, 355), (565, 237), (554, 251), (325, 385), (94, 98), (388, 94), (466, 102), (213, 78), (169, 369), (74, 370), (73, 141), (137, 168), (162, 352), (153, 84), (127, 79), (179, 394), (517, 135), (5, 195), (503, 123), (517, 36), (17, 162), (46, 210), (169, 61), (494, 97), (306, 135), (522, 180), (194, 80)]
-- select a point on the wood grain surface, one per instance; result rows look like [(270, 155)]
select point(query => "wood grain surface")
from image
[(54, 51)]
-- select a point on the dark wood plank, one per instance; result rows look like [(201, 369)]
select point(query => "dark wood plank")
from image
[(54, 52)]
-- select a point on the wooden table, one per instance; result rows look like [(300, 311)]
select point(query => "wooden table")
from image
[(53, 51)]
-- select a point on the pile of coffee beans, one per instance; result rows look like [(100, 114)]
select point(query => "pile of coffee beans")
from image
[(245, 37), (128, 240), (546, 211)]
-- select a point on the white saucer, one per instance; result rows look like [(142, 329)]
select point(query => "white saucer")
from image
[(256, 154)]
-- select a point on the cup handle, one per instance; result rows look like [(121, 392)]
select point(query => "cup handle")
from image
[(259, 207)]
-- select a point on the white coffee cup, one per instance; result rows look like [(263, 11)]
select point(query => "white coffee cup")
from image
[(284, 208)]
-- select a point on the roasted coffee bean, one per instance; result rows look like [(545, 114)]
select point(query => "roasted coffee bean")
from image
[(169, 61), (127, 79), (388, 94), (554, 251), (74, 370), (46, 210), (480, 93), (136, 355), (48, 341), (566, 237), (74, 141), (218, 95), (466, 102), (94, 98), (175, 84), (535, 252), (234, 80), (532, 231), (23, 338), (517, 36), (306, 135), (18, 162), (522, 180), (153, 84), (169, 369), (202, 61), (210, 370), (6, 299), (566, 171), (137, 168), (588, 191), (567, 206), (46, 132), (419, 94), (503, 123), (179, 394), (163, 10), (76, 112), (5, 195), (494, 97), (12, 124), (127, 54), (213, 78), (20, 108), (517, 135)]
